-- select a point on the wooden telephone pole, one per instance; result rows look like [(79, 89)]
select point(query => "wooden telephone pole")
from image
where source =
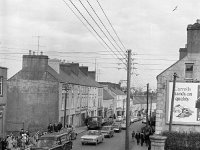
[(172, 102), (128, 100)]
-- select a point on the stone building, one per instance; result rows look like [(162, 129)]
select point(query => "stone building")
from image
[(33, 95), (3, 99), (185, 113)]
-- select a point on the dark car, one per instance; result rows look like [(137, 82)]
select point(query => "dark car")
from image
[(107, 131), (54, 141)]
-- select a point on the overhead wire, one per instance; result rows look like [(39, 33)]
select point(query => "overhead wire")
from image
[(83, 23), (100, 28), (111, 25), (95, 31), (106, 28)]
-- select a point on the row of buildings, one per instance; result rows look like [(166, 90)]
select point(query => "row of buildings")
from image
[(37, 95), (44, 90)]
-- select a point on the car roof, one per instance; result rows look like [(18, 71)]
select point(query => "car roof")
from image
[(55, 135)]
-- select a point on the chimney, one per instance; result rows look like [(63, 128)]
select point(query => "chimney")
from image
[(29, 52), (92, 74), (65, 67), (182, 53), (35, 63), (55, 64), (41, 53), (193, 37), (84, 69), (74, 67)]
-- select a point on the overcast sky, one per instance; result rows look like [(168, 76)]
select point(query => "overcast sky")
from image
[(150, 28)]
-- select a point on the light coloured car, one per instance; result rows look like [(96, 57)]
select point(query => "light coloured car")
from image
[(117, 127), (134, 119), (144, 120), (92, 136), (107, 131), (119, 119), (123, 125)]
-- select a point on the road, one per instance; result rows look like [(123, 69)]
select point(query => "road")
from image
[(115, 143)]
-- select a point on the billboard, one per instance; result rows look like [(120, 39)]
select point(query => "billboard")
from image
[(186, 108)]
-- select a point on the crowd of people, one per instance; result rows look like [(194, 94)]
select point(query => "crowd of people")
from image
[(142, 136), (11, 142)]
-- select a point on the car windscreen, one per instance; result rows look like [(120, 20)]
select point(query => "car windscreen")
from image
[(92, 133), (45, 143)]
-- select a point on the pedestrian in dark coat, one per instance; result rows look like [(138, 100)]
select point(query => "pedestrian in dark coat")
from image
[(137, 136), (142, 138), (133, 135), (55, 128), (50, 128), (59, 126)]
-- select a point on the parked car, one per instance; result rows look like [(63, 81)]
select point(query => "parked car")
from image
[(107, 131), (117, 127), (134, 119), (123, 125), (93, 136), (54, 141), (119, 119), (144, 120)]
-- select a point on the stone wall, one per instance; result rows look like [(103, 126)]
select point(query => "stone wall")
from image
[(33, 104)]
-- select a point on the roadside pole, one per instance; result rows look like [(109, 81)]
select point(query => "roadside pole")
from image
[(172, 102), (66, 92), (147, 119), (128, 100)]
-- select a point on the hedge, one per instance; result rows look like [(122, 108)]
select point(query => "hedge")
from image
[(182, 140)]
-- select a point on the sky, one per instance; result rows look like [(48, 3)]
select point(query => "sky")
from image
[(154, 30)]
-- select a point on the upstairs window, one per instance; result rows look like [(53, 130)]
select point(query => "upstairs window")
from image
[(1, 86), (189, 70)]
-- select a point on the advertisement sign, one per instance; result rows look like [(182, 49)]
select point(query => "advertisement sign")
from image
[(186, 108)]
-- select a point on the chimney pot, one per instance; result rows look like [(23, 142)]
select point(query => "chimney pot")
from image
[(29, 52), (41, 53), (33, 52)]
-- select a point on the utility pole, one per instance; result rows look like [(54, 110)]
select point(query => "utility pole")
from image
[(147, 104), (128, 100), (66, 92), (151, 104), (123, 108), (172, 102)]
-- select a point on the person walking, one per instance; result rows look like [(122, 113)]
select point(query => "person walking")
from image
[(137, 136), (133, 135), (142, 138)]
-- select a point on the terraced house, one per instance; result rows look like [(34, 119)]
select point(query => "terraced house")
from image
[(38, 93)]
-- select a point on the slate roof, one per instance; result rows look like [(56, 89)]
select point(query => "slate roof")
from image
[(106, 95), (117, 91)]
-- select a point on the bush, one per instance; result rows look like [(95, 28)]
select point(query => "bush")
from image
[(182, 140)]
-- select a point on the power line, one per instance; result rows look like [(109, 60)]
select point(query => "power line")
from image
[(83, 23), (111, 25), (105, 27), (95, 31), (99, 27)]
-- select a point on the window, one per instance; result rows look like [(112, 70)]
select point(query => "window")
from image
[(189, 70), (1, 86)]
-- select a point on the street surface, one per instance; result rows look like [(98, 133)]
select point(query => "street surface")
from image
[(115, 143)]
